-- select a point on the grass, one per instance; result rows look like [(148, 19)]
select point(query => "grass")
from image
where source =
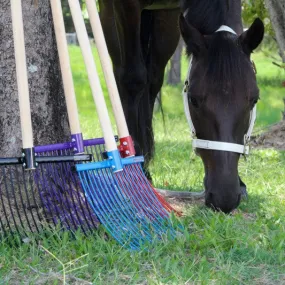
[(246, 248)]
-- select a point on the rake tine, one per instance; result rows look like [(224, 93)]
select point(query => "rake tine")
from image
[(104, 214), (120, 202), (130, 188), (156, 218), (87, 217), (57, 197), (84, 215), (48, 200), (28, 201), (35, 195), (3, 233), (59, 189), (62, 186), (148, 204), (15, 198), (143, 202), (2, 200), (18, 211), (98, 151), (10, 206)]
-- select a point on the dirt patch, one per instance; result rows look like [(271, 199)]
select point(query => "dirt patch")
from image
[(182, 204), (272, 138)]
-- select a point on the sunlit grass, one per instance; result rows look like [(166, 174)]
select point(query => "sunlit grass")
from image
[(247, 248)]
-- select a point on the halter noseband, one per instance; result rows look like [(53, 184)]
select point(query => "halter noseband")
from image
[(217, 145)]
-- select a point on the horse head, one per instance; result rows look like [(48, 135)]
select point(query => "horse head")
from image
[(221, 93)]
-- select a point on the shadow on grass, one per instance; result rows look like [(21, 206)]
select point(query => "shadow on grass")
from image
[(253, 203), (176, 167)]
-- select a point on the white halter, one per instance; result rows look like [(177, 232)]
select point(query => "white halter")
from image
[(217, 145)]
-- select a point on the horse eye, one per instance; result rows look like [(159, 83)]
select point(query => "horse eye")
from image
[(253, 102), (194, 102)]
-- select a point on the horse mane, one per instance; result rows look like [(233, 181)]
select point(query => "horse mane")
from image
[(224, 58), (225, 64), (205, 15)]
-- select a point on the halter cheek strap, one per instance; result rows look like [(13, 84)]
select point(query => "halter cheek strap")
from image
[(216, 145)]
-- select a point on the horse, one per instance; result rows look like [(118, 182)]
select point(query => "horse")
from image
[(221, 91)]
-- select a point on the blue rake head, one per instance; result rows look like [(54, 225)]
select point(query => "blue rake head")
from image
[(136, 186), (123, 200), (115, 211)]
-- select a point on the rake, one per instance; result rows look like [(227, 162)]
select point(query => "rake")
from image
[(147, 193), (109, 183), (61, 193), (113, 209), (20, 204)]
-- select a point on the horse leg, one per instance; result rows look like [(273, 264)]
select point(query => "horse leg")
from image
[(107, 17), (164, 40)]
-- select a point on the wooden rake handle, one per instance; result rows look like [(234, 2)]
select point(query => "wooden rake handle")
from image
[(107, 68), (66, 72), (93, 77), (21, 71)]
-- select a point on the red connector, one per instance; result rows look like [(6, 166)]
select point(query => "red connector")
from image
[(126, 147)]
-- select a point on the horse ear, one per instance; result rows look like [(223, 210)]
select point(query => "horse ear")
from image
[(251, 38), (194, 40)]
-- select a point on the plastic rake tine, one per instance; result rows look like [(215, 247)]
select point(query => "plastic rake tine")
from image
[(133, 184)]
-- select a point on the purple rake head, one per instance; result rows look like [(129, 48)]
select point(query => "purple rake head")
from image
[(60, 189)]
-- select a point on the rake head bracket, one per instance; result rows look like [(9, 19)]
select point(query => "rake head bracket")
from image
[(77, 142), (28, 158), (126, 147), (114, 161), (44, 159)]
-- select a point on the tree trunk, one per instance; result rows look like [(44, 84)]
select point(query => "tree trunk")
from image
[(174, 76), (276, 10), (49, 114)]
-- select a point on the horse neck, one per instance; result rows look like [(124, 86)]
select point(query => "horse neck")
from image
[(234, 18)]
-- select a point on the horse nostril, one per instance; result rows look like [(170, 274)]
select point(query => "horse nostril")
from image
[(227, 206)]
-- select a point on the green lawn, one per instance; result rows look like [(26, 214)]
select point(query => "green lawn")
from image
[(247, 248)]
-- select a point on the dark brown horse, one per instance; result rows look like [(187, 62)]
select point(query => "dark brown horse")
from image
[(141, 37)]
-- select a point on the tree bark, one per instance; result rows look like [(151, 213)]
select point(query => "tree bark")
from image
[(276, 10), (49, 114), (174, 75)]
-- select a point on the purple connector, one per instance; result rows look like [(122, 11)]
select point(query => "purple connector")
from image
[(69, 145), (77, 141)]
